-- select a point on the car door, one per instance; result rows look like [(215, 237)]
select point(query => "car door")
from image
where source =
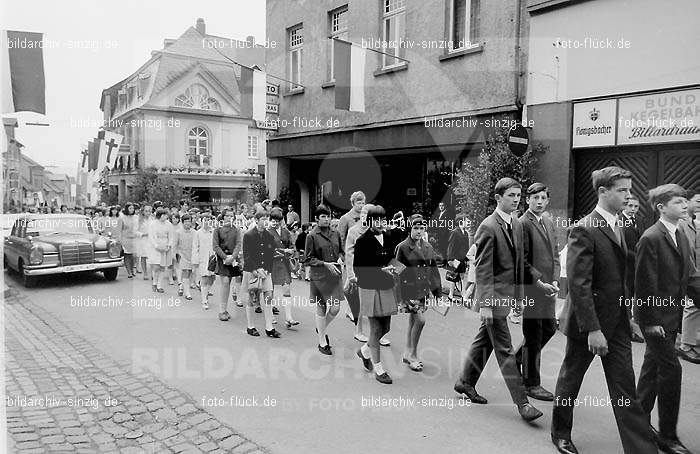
[(10, 245)]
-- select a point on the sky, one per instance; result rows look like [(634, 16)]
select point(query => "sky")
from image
[(91, 45)]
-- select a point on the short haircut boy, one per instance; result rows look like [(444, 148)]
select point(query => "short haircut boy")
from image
[(321, 210), (607, 177), (664, 193), (504, 184)]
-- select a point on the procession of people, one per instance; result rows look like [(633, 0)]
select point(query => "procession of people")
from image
[(620, 282)]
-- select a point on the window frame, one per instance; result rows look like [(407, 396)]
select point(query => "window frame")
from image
[(253, 140), (387, 14), (470, 8), (292, 49), (340, 33), (207, 146)]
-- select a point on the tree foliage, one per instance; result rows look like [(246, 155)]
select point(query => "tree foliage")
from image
[(476, 180), (257, 192), (151, 186)]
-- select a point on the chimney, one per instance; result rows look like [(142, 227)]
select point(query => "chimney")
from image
[(201, 28), (250, 40)]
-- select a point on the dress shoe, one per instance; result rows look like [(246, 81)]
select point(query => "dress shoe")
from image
[(253, 332), (564, 446), (689, 355), (528, 412), (539, 393), (384, 341), (366, 362), (384, 378), (275, 311), (470, 392), (224, 316), (670, 445), (325, 349), (258, 310), (273, 333), (361, 338)]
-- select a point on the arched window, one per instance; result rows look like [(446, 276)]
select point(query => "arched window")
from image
[(198, 146), (197, 97)]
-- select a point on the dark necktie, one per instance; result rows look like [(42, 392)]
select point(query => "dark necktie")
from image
[(543, 227), (509, 228), (678, 239)]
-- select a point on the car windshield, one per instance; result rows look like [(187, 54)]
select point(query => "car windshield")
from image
[(49, 226)]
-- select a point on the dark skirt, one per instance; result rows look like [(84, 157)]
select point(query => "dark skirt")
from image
[(281, 272), (377, 303)]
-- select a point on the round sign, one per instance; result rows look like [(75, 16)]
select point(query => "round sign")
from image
[(518, 139)]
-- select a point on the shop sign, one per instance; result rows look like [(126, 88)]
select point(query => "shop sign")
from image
[(594, 124), (660, 117)]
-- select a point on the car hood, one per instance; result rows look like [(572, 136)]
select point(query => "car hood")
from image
[(59, 239)]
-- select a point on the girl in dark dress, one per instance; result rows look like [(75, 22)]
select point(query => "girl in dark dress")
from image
[(418, 282), (375, 279)]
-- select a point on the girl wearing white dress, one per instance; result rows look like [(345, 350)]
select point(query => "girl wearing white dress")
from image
[(142, 244), (202, 249), (161, 238), (127, 226)]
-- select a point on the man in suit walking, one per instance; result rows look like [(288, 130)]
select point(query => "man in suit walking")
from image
[(500, 267), (541, 288), (596, 318), (457, 248), (689, 349), (661, 279)]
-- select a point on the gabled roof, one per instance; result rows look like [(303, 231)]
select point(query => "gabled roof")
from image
[(180, 56)]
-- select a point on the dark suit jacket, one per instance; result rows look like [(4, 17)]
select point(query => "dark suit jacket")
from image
[(500, 265), (421, 276), (662, 271), (457, 248), (369, 257), (691, 232), (596, 276), (632, 234), (542, 256)]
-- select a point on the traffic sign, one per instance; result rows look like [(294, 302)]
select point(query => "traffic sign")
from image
[(518, 139)]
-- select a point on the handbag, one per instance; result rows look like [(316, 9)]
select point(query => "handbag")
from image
[(211, 265), (452, 275)]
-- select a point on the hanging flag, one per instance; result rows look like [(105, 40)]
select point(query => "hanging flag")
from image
[(22, 61), (109, 143), (253, 87), (94, 155), (349, 69), (143, 84)]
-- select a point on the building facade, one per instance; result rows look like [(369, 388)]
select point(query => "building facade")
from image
[(603, 91), (459, 73), (181, 112)]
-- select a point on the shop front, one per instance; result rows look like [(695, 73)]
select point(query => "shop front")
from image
[(407, 167), (656, 136)]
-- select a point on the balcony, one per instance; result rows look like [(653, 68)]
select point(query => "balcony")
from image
[(198, 159)]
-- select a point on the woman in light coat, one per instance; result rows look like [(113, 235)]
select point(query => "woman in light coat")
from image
[(161, 237), (127, 226)]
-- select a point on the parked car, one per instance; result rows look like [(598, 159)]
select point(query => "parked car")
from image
[(42, 244)]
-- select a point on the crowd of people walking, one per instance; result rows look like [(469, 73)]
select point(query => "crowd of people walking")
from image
[(622, 283)]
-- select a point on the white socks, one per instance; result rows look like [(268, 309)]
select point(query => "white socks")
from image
[(378, 368), (249, 314), (365, 351)]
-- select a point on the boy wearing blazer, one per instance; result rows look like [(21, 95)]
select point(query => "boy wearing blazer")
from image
[(596, 318), (500, 267), (661, 280), (541, 288)]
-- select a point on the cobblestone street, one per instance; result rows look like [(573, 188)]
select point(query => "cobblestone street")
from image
[(63, 394)]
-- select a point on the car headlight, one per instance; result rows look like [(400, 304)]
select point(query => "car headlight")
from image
[(115, 250), (36, 256)]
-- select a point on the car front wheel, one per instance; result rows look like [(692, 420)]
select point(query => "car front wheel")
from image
[(28, 281), (111, 273)]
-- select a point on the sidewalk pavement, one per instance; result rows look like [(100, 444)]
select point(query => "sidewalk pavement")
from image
[(63, 394)]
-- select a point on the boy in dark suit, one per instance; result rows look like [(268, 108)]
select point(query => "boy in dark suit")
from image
[(541, 287), (661, 279), (596, 318), (500, 267)]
